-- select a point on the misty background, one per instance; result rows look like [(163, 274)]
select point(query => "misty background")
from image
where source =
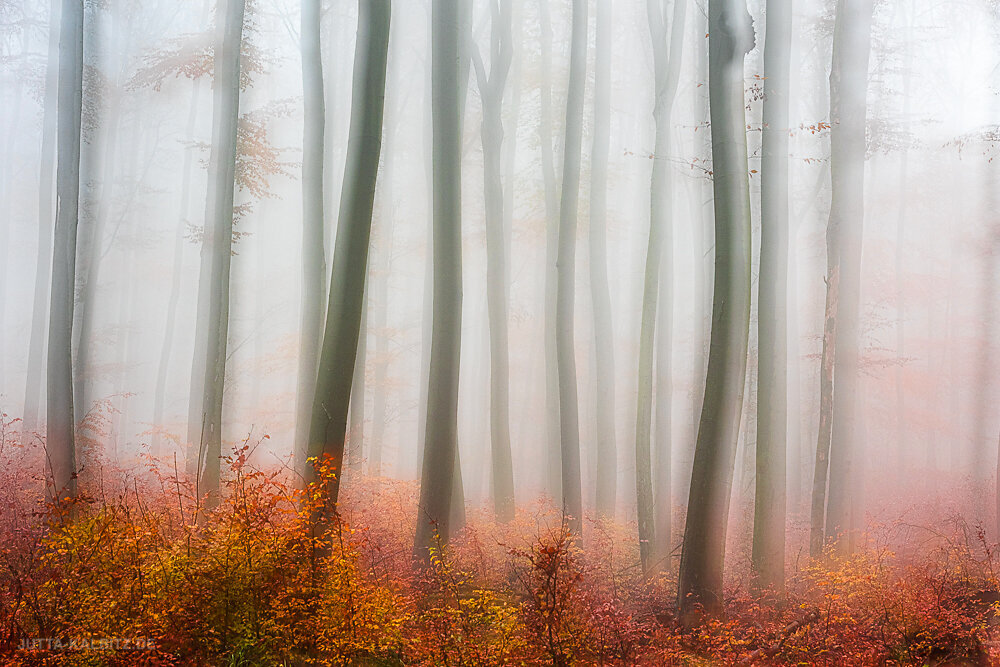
[(929, 278)]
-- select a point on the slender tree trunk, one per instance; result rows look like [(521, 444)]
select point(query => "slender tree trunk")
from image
[(92, 242), (356, 425), (600, 293), (60, 447), (730, 38), (569, 419), (554, 467), (440, 451), (848, 88), (821, 469), (313, 223), (491, 90), (43, 266), (772, 308), (380, 312), (653, 547), (350, 260), (426, 310), (163, 367), (217, 248), (699, 191)]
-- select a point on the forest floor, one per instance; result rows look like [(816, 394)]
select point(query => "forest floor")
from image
[(136, 573)]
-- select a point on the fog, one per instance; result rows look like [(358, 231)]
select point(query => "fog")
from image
[(926, 332)]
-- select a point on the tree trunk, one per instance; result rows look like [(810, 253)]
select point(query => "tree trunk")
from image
[(491, 90), (356, 425), (92, 241), (60, 447), (440, 449), (217, 246), (600, 293), (163, 367), (768, 555), (426, 314), (569, 420), (43, 266), (650, 515), (350, 260), (552, 439), (380, 303), (848, 88), (313, 224), (730, 38)]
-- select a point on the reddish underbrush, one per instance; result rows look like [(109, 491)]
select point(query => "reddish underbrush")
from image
[(138, 571)]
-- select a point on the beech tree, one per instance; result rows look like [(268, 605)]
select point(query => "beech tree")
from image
[(209, 375), (328, 427), (313, 221), (60, 445), (569, 419), (440, 462), (654, 519), (731, 37), (43, 270), (848, 90), (772, 308), (600, 292), (492, 86)]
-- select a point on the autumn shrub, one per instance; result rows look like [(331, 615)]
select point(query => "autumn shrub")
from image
[(247, 579)]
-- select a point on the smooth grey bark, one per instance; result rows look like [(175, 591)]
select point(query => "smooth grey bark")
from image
[(731, 36), (356, 425), (313, 223), (552, 437), (821, 466), (60, 445), (92, 250), (440, 451), (166, 350), (43, 265), (379, 305), (698, 191), (569, 418), (768, 551), (350, 259), (848, 89), (426, 308), (464, 40), (217, 246), (600, 293), (657, 295), (492, 87)]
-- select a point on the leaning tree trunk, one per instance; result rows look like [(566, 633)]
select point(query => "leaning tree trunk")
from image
[(313, 224), (440, 448), (730, 38), (491, 90), (350, 258), (60, 446), (569, 419), (768, 553), (848, 88), (217, 247), (666, 69), (43, 268), (600, 293)]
